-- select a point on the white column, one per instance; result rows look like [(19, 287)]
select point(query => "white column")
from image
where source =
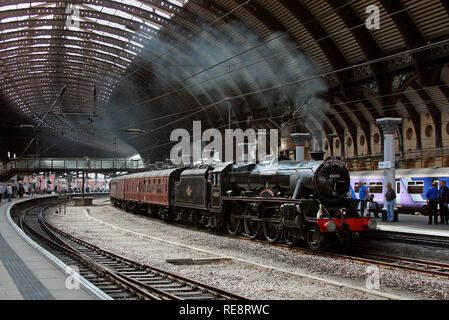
[(388, 127), (300, 140)]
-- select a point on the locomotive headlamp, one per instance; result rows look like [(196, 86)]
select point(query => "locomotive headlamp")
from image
[(372, 225), (331, 226)]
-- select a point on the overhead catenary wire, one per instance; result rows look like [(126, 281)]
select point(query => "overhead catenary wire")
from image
[(343, 29), (301, 80)]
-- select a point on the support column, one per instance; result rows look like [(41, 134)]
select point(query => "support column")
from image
[(388, 127), (82, 188), (27, 184), (300, 140)]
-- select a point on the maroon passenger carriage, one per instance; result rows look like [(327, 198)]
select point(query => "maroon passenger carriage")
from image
[(284, 200)]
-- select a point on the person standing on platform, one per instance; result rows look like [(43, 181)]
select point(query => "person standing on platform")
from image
[(1, 192), (363, 195), (390, 196), (9, 192), (443, 199), (432, 202)]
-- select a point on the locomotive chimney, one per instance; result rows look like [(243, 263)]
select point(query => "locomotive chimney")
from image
[(317, 155), (300, 139)]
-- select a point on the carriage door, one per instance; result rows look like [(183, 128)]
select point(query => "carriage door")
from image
[(398, 192)]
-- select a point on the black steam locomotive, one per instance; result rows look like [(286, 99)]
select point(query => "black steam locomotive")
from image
[(278, 199)]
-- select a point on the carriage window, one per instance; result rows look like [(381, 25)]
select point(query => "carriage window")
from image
[(218, 179), (357, 187), (375, 187), (144, 186), (159, 185), (415, 187), (154, 185), (398, 187)]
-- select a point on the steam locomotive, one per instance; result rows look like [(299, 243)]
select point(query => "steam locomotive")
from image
[(277, 199)]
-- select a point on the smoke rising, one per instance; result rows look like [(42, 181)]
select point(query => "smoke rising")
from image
[(188, 69)]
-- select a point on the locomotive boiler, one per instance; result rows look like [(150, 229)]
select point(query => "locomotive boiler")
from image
[(294, 200)]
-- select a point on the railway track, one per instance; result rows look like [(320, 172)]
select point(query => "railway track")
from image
[(392, 262), (115, 275)]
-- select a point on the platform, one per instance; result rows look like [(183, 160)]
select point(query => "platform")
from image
[(26, 273), (415, 224)]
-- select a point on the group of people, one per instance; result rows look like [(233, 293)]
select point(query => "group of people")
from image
[(390, 197), (435, 197), (9, 191)]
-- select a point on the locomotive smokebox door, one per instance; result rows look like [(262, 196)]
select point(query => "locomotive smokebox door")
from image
[(217, 185)]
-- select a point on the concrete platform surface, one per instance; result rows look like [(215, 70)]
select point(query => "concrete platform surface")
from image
[(414, 224), (25, 273)]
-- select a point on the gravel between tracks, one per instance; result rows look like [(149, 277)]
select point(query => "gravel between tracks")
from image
[(252, 281)]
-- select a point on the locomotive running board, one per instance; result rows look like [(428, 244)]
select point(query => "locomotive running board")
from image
[(262, 199)]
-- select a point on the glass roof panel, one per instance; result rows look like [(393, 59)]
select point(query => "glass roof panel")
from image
[(127, 36)]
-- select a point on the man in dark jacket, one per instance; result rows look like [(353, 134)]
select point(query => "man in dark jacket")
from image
[(443, 199), (390, 197), (432, 202)]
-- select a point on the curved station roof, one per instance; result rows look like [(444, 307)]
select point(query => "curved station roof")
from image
[(108, 77)]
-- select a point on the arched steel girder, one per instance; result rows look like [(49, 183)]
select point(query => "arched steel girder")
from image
[(445, 4), (42, 78), (319, 34), (94, 55), (342, 115), (368, 44), (248, 75), (413, 39), (92, 14), (35, 99), (37, 66), (75, 64), (265, 18), (414, 116), (88, 40), (103, 67), (433, 110), (102, 48), (356, 118)]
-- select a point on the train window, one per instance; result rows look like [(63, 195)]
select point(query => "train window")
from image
[(218, 179), (154, 186), (357, 187), (398, 187), (144, 186), (415, 187), (375, 187), (159, 186)]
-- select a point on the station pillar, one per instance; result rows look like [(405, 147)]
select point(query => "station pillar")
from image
[(388, 127), (69, 185), (300, 140)]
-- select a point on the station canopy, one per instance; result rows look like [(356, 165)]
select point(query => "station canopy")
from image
[(115, 77)]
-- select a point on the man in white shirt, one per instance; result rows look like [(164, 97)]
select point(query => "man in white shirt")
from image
[(9, 192)]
